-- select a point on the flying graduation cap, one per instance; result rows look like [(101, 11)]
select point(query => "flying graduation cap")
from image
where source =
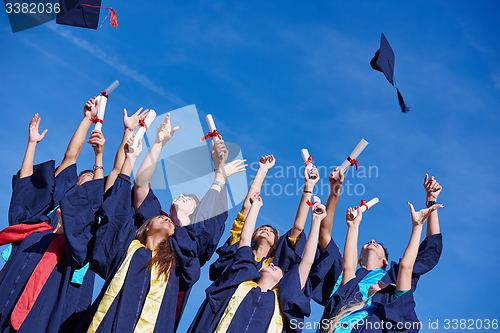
[(383, 61), (83, 13)]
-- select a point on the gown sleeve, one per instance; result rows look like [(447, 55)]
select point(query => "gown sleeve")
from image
[(287, 253), (115, 232), (32, 196), (428, 256), (295, 302), (149, 208), (78, 211), (211, 215), (325, 271), (400, 310)]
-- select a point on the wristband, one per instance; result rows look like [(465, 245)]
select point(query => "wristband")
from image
[(218, 183), (307, 191), (430, 203), (97, 167)]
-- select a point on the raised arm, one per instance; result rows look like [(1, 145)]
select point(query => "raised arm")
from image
[(97, 141), (77, 141), (301, 215), (325, 231), (129, 126), (141, 181), (408, 260), (350, 259), (432, 189), (130, 158), (33, 139), (249, 226), (311, 244), (265, 164)]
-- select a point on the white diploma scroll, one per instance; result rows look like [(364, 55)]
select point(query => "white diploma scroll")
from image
[(142, 130), (316, 201), (305, 156), (354, 155), (363, 208), (211, 127), (103, 98)]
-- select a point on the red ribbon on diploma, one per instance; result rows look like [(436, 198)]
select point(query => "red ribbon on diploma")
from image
[(103, 93), (95, 120), (212, 134), (309, 160), (310, 204), (143, 124), (353, 162), (362, 203)]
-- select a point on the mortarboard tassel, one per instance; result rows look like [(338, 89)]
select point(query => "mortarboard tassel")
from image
[(113, 21), (402, 104)]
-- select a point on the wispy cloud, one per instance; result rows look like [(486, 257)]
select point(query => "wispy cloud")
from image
[(116, 63)]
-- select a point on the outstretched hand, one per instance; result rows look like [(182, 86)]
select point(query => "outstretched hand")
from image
[(336, 184), (267, 162), (312, 178), (255, 199), (131, 123), (165, 132), (418, 218), (97, 141), (235, 166), (90, 108), (432, 188), (34, 135), (137, 150), (353, 221)]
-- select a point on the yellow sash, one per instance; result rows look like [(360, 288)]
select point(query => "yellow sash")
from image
[(149, 313), (276, 324)]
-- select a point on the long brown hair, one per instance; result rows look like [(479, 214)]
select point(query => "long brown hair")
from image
[(272, 250), (164, 258)]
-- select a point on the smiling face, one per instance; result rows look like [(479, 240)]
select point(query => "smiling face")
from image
[(372, 248), (161, 224), (183, 205), (271, 273), (265, 233)]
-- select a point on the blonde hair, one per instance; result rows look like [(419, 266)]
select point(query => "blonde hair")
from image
[(345, 311)]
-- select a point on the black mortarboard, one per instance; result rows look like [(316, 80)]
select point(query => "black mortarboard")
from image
[(383, 61), (82, 13)]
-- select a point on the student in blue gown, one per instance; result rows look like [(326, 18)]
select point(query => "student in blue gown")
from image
[(145, 267), (267, 246), (58, 300), (353, 305), (186, 209), (247, 299)]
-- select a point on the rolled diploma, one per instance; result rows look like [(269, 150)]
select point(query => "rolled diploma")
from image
[(142, 130), (317, 200), (211, 127), (362, 209), (100, 111), (354, 155), (111, 87), (305, 156)]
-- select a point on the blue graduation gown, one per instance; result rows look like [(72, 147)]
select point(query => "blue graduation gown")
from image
[(116, 231), (35, 196), (324, 278), (286, 255), (209, 215), (61, 303), (255, 311)]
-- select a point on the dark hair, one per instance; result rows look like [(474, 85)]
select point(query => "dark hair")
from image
[(272, 250), (165, 256), (386, 255)]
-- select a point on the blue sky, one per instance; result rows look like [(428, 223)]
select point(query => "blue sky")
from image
[(279, 76)]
